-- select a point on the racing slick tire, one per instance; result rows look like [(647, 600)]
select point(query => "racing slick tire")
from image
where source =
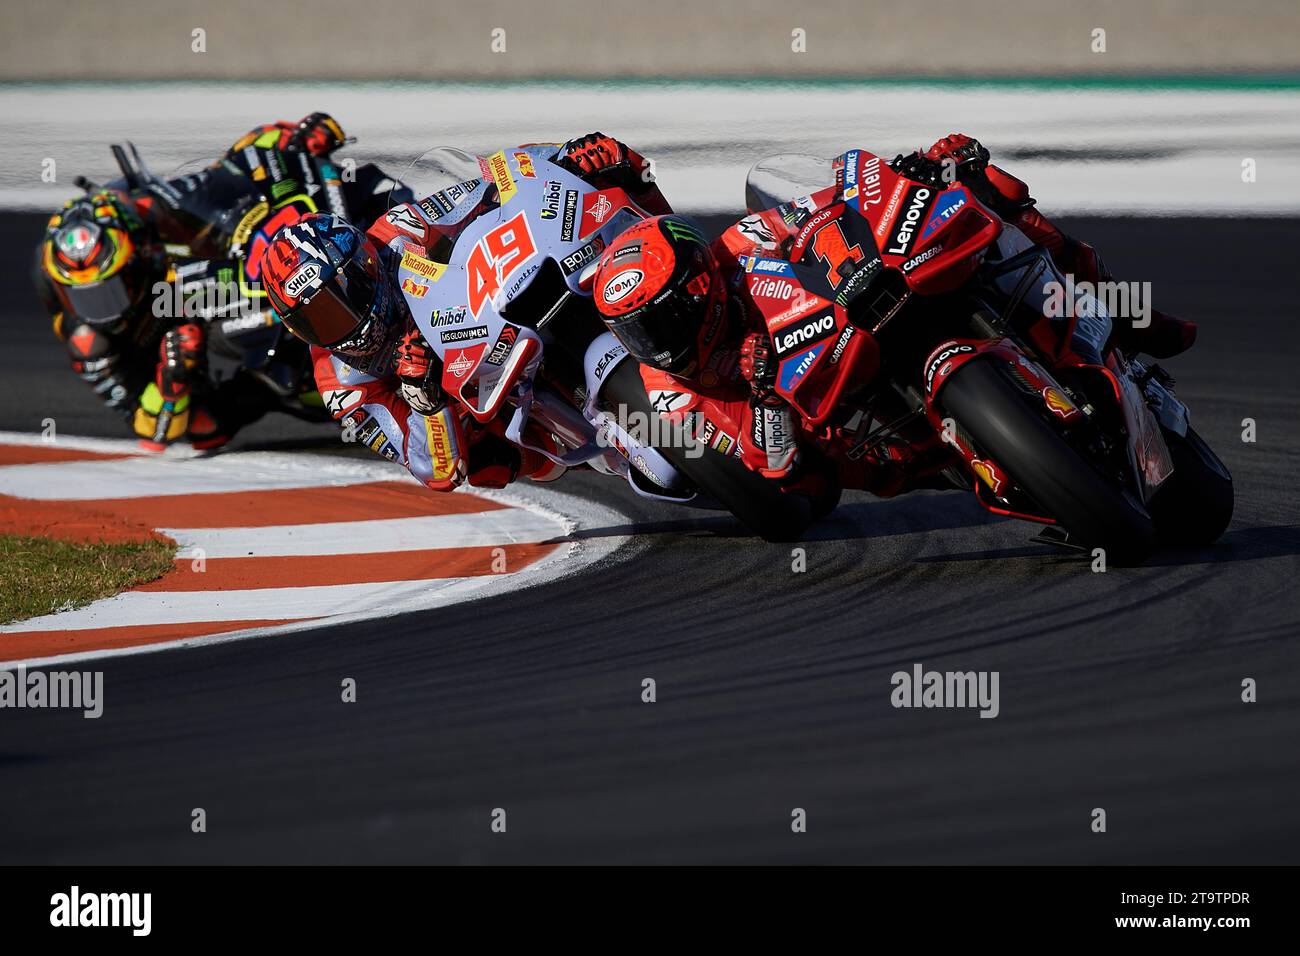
[(1095, 512), (1194, 505), (758, 502)]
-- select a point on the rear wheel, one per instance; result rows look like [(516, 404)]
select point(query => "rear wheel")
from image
[(1095, 512), (758, 502), (1194, 505)]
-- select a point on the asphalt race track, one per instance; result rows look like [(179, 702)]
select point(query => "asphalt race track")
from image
[(1118, 690)]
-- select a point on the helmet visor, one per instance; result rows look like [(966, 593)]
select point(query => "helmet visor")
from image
[(339, 316), (662, 335), (98, 303)]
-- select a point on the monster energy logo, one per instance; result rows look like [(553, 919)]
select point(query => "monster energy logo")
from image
[(680, 229), (282, 188)]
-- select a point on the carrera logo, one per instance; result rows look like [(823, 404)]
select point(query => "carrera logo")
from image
[(948, 352), (525, 164), (841, 344), (622, 285), (929, 254), (411, 287), (814, 330), (305, 277), (905, 232)]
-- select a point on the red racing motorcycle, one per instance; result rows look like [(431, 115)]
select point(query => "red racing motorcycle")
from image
[(910, 313)]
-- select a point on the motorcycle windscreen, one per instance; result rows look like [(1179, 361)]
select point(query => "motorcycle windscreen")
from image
[(785, 177), (436, 170)]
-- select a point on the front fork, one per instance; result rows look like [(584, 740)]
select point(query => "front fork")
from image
[(1149, 461)]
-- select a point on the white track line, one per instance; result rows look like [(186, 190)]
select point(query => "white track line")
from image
[(378, 536), (530, 513)]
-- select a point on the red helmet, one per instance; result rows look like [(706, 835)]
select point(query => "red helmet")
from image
[(659, 289), (324, 280)]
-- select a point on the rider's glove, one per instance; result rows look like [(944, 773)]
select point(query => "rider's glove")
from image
[(419, 369), (758, 367), (961, 151), (594, 153), (922, 169), (603, 161), (180, 360)]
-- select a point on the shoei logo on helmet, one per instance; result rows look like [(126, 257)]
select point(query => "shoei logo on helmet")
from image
[(305, 277), (622, 285)]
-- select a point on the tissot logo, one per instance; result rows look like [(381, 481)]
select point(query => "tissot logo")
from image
[(909, 218), (813, 330)]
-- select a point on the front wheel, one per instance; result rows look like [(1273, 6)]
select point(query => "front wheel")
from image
[(758, 502), (1003, 425), (1194, 505)]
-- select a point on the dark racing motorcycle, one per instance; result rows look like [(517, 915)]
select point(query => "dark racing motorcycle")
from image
[(213, 223)]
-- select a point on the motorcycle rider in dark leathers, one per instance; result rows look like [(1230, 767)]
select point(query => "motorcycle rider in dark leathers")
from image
[(106, 256)]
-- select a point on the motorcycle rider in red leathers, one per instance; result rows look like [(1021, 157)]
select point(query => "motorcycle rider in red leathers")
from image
[(692, 320), (335, 287)]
